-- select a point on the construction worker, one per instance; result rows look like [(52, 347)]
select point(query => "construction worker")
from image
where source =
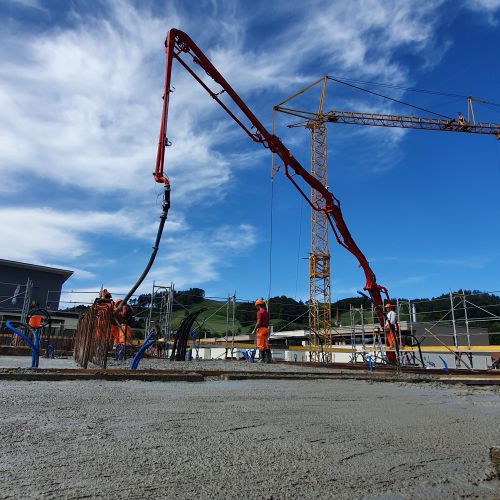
[(261, 332), (104, 294), (122, 334), (34, 320), (391, 330)]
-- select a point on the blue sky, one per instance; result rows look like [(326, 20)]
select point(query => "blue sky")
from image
[(80, 95)]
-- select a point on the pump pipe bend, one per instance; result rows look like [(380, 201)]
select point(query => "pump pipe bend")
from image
[(33, 344)]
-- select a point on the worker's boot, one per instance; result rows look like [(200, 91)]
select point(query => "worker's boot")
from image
[(263, 356), (269, 357)]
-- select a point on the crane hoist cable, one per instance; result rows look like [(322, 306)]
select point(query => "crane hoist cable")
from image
[(399, 87)]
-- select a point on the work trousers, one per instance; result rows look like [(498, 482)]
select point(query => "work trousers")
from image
[(262, 338)]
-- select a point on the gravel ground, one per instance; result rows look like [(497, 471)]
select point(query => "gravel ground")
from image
[(246, 439)]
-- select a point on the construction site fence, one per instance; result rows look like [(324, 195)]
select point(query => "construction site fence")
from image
[(460, 320), (56, 344), (462, 305)]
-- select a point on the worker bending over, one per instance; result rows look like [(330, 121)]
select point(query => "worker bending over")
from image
[(261, 332), (391, 331), (122, 332), (120, 328)]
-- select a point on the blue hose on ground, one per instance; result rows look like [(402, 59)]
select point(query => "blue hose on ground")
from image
[(33, 344), (445, 369), (140, 353)]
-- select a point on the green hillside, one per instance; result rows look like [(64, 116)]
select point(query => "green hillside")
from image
[(213, 320)]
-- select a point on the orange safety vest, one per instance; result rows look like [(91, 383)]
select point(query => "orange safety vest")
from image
[(35, 321)]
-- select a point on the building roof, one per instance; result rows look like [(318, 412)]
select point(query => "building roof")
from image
[(35, 267)]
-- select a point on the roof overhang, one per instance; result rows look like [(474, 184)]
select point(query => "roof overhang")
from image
[(66, 273)]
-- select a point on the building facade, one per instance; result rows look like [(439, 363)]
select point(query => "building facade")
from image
[(21, 282)]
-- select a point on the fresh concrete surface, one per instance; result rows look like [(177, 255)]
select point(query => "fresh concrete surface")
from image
[(246, 439), (25, 362)]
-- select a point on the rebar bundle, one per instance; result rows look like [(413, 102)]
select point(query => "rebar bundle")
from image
[(93, 334)]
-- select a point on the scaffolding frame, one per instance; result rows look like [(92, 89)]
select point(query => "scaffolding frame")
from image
[(163, 323), (456, 317)]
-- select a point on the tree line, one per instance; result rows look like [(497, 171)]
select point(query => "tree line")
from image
[(288, 313)]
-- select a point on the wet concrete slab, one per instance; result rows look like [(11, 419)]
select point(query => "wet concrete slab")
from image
[(247, 439)]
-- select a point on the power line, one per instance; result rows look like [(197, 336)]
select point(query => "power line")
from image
[(388, 98), (399, 87), (350, 82)]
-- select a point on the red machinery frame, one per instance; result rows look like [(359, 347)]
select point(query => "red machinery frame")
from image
[(178, 43)]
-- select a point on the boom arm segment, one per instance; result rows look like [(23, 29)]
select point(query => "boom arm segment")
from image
[(179, 43)]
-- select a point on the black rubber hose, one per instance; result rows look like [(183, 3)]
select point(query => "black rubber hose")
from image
[(419, 349), (182, 334), (163, 218), (40, 312)]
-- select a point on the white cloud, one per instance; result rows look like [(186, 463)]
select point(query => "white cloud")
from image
[(46, 236), (40, 234), (78, 296), (198, 258), (80, 106), (488, 5), (80, 109), (35, 4), (490, 8)]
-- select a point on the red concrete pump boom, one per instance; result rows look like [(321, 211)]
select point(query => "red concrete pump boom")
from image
[(179, 43)]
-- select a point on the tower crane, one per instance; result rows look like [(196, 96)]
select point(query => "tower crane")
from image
[(316, 121)]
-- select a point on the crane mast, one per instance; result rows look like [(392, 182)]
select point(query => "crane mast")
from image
[(320, 312)]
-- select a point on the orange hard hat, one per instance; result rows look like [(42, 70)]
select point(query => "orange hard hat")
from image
[(259, 302), (388, 305)]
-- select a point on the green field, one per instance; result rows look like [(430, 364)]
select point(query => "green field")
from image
[(216, 324)]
